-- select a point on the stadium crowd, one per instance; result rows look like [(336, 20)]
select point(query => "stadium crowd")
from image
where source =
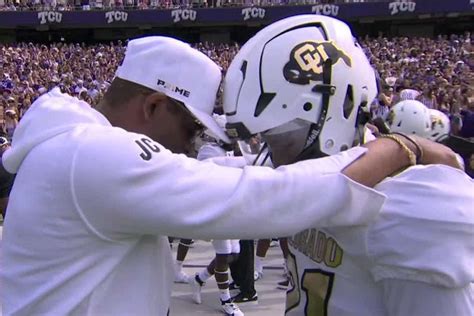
[(438, 72), (68, 5)]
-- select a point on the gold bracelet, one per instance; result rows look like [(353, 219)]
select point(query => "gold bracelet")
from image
[(419, 156), (409, 152)]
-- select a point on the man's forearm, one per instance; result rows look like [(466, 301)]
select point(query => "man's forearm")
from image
[(383, 158)]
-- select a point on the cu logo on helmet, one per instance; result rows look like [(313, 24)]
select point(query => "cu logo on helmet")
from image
[(436, 121), (307, 59)]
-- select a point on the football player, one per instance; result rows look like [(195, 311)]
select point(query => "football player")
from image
[(414, 118), (304, 83), (226, 249)]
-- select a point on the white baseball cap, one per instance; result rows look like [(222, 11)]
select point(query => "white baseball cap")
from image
[(177, 70)]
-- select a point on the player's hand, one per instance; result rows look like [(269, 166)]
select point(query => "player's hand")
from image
[(372, 128), (435, 153)]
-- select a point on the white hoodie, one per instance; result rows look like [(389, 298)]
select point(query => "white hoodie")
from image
[(91, 204)]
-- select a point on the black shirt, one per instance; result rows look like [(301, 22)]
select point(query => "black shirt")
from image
[(6, 182)]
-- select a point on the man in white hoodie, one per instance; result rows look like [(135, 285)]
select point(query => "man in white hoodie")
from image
[(95, 192)]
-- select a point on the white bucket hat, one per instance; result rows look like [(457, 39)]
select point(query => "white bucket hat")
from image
[(176, 69)]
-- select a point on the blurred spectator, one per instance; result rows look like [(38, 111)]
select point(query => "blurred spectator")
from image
[(428, 98), (467, 116), (11, 121), (85, 5), (381, 106)]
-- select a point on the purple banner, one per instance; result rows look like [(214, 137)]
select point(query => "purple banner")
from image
[(242, 15)]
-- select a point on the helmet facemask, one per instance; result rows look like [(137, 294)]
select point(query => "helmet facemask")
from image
[(286, 142)]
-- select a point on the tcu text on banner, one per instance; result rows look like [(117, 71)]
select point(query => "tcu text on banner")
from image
[(50, 17), (116, 16)]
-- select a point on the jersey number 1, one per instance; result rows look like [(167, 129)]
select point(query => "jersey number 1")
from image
[(316, 283)]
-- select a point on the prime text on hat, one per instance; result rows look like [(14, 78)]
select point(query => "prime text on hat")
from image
[(173, 88)]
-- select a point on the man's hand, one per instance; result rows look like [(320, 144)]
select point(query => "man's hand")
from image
[(435, 153)]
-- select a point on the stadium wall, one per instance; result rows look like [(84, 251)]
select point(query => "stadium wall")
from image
[(411, 18)]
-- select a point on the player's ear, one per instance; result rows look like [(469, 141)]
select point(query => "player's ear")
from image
[(153, 105)]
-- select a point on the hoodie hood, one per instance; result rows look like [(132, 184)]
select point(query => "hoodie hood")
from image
[(51, 114)]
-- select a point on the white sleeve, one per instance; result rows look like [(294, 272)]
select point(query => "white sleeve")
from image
[(402, 298), (425, 231), (229, 161), (117, 192), (208, 151), (368, 135), (460, 162), (217, 155)]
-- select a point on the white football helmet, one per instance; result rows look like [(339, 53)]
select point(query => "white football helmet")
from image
[(440, 126), (303, 68), (410, 117)]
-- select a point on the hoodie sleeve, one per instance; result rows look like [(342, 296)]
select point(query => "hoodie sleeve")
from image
[(124, 183)]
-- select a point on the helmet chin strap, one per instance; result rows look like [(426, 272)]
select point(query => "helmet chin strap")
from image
[(312, 147), (363, 117), (262, 149)]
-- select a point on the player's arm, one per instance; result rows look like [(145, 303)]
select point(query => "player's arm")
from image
[(386, 157)]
